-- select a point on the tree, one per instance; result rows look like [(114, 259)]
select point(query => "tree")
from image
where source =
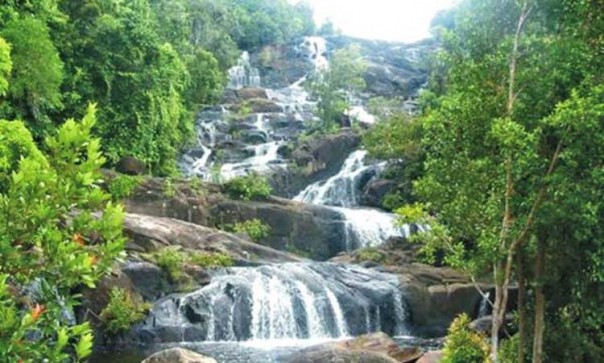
[(494, 150), (333, 86), (51, 242), (37, 72), (6, 65)]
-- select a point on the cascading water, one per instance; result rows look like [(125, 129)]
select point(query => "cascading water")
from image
[(364, 227), (283, 302), (243, 74)]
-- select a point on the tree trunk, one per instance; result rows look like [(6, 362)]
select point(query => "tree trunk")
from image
[(521, 307), (539, 303)]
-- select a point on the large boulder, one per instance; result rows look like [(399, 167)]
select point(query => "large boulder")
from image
[(436, 295), (370, 348), (375, 191), (130, 165), (326, 354), (313, 231), (431, 357), (251, 92), (148, 233), (178, 355)]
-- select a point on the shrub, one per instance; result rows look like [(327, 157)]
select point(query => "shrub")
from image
[(124, 186), (48, 249), (171, 260), (249, 187), (463, 345), (16, 142), (169, 188), (508, 350), (254, 228), (370, 255), (123, 310), (211, 259)]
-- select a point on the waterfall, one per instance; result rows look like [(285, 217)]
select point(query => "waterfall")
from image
[(364, 227), (315, 48), (286, 301), (243, 74), (342, 188)]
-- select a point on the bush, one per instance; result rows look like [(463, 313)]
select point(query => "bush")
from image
[(370, 255), (123, 310), (463, 345), (254, 228), (249, 187), (124, 186), (171, 260), (508, 350), (211, 259), (47, 249)]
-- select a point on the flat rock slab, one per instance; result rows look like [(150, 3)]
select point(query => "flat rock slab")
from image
[(178, 355)]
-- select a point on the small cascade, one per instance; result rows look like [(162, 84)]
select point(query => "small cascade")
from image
[(364, 227), (485, 305), (315, 48), (243, 74), (287, 301), (342, 188)]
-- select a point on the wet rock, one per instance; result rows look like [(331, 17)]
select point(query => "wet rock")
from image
[(314, 160), (382, 343), (261, 105), (315, 231), (375, 191), (130, 166), (178, 355), (250, 93)]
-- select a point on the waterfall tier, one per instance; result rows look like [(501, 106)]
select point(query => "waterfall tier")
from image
[(287, 301)]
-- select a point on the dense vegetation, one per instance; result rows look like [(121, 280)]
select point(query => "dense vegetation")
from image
[(147, 64), (511, 136)]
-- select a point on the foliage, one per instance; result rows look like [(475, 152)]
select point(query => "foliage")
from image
[(169, 189), (511, 157), (462, 345), (255, 228), (38, 228), (398, 140), (123, 310), (16, 143), (370, 254), (249, 187), (6, 66), (172, 261), (508, 351), (211, 259), (123, 186), (37, 73), (333, 86), (207, 81)]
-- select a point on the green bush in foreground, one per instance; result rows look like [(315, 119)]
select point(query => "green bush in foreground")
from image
[(254, 228), (463, 345), (123, 311), (48, 249), (249, 187)]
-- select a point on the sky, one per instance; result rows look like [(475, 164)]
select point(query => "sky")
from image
[(392, 20)]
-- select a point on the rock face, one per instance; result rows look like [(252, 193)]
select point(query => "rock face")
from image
[(314, 159), (313, 231), (288, 301), (435, 296), (178, 355), (149, 233), (375, 191)]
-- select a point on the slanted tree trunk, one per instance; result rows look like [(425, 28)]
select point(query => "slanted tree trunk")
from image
[(539, 303)]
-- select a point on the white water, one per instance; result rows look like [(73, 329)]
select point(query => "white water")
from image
[(365, 227), (243, 74)]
